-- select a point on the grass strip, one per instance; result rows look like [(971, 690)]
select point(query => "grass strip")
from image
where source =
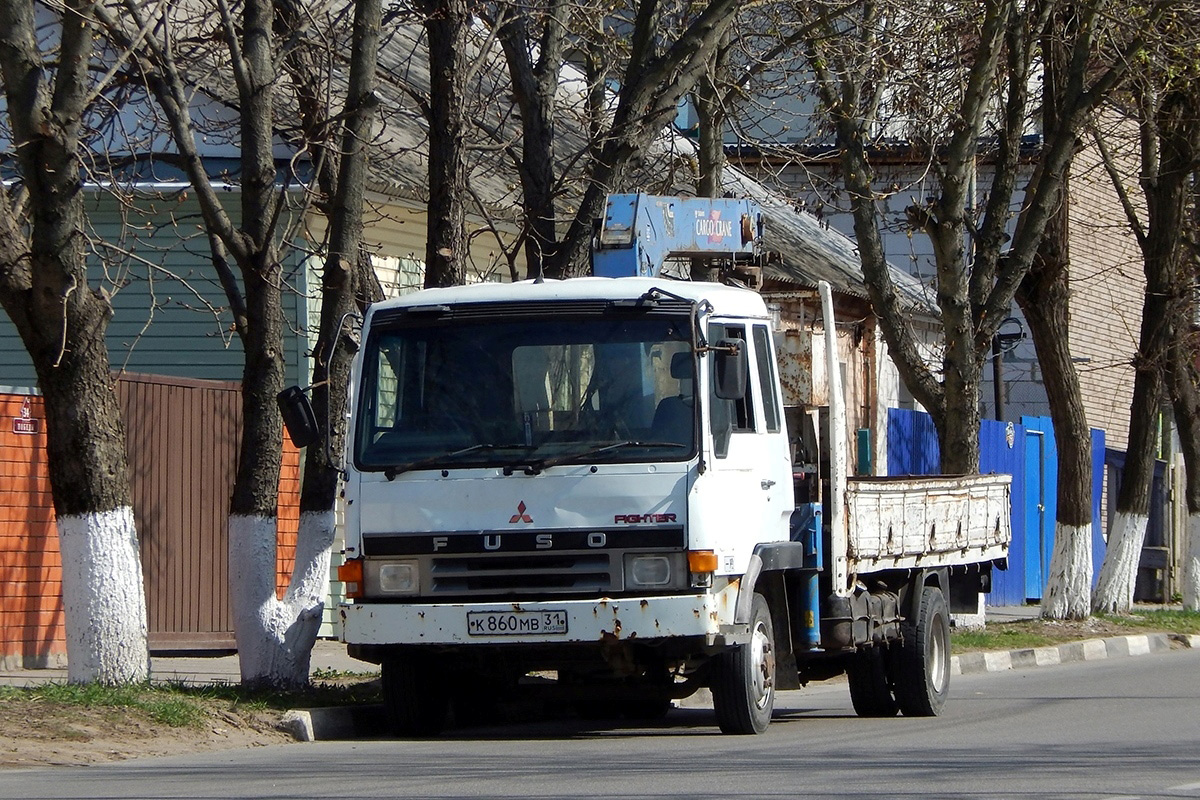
[(1022, 634)]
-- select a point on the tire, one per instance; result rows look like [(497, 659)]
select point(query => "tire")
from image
[(743, 679), (596, 709), (415, 696), (921, 667), (646, 706), (649, 696), (870, 684)]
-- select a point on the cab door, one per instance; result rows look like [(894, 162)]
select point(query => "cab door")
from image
[(775, 468), (746, 495)]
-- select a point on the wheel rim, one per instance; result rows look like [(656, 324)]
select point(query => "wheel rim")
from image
[(762, 667), (937, 654)]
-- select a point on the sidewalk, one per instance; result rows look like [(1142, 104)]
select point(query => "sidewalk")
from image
[(330, 655), (199, 670)]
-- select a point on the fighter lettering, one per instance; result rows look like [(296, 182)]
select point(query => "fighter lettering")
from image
[(636, 519)]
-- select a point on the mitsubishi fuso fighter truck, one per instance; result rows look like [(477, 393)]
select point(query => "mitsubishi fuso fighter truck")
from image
[(588, 484)]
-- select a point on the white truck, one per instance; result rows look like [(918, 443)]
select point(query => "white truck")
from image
[(591, 481)]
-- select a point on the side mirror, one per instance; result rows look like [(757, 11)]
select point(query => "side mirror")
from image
[(298, 416), (731, 371)]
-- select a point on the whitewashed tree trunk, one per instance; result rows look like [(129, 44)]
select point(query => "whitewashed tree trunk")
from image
[(275, 635), (1069, 587), (1190, 575), (1114, 589), (105, 606)]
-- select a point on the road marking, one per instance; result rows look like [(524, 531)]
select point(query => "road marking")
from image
[(1174, 791), (1187, 787)]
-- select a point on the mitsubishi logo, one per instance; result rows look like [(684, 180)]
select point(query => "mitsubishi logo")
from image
[(520, 516)]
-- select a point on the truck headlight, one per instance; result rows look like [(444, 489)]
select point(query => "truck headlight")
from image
[(393, 577), (654, 571)]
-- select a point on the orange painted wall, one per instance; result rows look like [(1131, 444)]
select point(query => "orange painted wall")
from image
[(31, 611), (31, 607)]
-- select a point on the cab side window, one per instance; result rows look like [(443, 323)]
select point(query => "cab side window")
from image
[(763, 352), (729, 416)]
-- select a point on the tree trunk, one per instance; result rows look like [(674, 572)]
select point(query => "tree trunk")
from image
[(447, 24), (1114, 588), (1183, 377), (1165, 184), (711, 150), (62, 322), (1045, 297), (1185, 394), (267, 652), (535, 89), (958, 432)]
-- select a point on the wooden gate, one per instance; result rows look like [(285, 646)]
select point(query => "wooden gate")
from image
[(182, 439)]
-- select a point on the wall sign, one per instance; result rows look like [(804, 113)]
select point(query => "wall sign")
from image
[(26, 424)]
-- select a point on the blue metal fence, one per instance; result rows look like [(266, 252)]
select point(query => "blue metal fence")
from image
[(1029, 453)]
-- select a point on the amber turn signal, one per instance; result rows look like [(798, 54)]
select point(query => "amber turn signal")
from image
[(351, 574), (702, 561)]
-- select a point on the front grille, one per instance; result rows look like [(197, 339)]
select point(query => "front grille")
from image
[(584, 562), (529, 573)]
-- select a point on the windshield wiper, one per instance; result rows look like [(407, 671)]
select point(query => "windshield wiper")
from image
[(433, 461), (534, 467)]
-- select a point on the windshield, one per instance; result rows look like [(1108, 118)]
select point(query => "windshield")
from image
[(526, 393)]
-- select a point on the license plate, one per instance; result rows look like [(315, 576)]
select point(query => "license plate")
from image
[(515, 623)]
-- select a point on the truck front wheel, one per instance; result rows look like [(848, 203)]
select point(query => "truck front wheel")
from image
[(415, 695), (743, 680), (921, 667)]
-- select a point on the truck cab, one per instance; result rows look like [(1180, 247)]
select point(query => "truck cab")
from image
[(561, 476)]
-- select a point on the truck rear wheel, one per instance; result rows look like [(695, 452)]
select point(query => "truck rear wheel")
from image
[(870, 685), (415, 695), (743, 681), (921, 668)]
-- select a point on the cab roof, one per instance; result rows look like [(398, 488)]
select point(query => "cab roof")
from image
[(725, 300)]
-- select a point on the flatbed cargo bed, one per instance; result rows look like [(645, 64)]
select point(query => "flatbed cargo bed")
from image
[(926, 521)]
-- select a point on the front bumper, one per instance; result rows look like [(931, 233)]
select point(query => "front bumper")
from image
[(708, 615)]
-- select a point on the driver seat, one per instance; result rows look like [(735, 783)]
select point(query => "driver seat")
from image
[(674, 417)]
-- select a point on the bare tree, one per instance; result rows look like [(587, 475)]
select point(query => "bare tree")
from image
[(1163, 102), (535, 75), (274, 635), (348, 281), (664, 50), (1184, 380), (972, 107), (62, 318), (1044, 297)]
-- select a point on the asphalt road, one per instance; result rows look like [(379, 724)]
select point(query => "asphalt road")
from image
[(1120, 728)]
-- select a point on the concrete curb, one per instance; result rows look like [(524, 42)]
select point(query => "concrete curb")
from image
[(352, 722), (334, 722), (1086, 650)]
